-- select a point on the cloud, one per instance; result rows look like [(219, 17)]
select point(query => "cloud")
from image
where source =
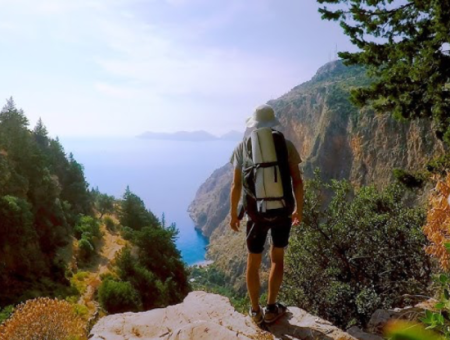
[(167, 64), (121, 59), (117, 91)]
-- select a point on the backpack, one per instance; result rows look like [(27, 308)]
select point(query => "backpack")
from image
[(279, 203)]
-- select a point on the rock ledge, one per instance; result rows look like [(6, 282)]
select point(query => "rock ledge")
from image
[(210, 316)]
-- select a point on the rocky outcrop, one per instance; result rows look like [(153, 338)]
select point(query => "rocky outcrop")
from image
[(216, 189), (210, 316), (330, 134)]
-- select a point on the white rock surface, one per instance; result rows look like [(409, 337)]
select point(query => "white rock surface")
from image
[(210, 316)]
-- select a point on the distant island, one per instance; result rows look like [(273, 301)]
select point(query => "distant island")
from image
[(192, 136)]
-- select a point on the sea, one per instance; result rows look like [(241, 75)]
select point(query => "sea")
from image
[(165, 174)]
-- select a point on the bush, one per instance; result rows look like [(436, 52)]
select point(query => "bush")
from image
[(127, 233), (78, 282), (359, 253), (118, 297), (86, 249), (5, 313), (51, 319), (109, 223), (408, 179), (87, 225)]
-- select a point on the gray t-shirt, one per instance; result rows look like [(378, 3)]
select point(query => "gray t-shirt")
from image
[(237, 158)]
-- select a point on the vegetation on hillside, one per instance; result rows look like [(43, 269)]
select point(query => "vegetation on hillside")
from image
[(405, 48), (360, 252), (149, 272), (43, 193), (212, 280), (45, 318), (47, 210)]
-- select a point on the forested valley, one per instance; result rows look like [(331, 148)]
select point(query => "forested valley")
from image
[(61, 239)]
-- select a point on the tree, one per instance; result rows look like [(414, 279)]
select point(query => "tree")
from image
[(361, 252), (404, 46), (118, 297), (41, 134), (134, 214), (105, 204)]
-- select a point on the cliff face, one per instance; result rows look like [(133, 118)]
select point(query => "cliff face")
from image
[(216, 189), (210, 316), (330, 134)]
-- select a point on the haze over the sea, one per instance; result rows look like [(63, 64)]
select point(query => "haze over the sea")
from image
[(165, 174)]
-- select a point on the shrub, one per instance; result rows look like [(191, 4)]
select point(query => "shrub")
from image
[(359, 253), (6, 312), (109, 223), (51, 319), (78, 282), (438, 220), (127, 233), (87, 224), (118, 297), (86, 249), (408, 179)]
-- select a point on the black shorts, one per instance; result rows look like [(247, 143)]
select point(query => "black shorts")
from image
[(258, 234)]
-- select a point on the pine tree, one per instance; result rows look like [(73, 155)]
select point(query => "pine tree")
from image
[(41, 134), (404, 46)]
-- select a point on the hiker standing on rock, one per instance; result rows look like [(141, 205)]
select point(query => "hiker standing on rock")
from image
[(266, 167)]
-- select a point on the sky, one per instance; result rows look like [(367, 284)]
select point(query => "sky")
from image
[(123, 67)]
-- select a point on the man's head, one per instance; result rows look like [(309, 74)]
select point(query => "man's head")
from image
[(264, 116)]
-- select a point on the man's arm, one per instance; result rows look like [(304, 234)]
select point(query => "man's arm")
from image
[(235, 196), (297, 184)]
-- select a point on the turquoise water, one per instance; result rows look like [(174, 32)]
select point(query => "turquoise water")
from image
[(165, 174)]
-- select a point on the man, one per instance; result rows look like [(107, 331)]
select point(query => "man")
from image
[(257, 231)]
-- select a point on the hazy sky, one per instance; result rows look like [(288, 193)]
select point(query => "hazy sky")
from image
[(122, 67)]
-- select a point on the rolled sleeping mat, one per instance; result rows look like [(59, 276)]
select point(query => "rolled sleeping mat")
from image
[(267, 183)]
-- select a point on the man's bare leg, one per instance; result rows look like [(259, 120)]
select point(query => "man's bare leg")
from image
[(253, 284), (276, 273)]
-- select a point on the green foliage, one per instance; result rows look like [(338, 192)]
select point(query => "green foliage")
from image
[(439, 165), (359, 253), (133, 213), (5, 313), (104, 204), (87, 225), (154, 267), (437, 320), (410, 180), (87, 231), (118, 297), (402, 45), (210, 279), (127, 233), (404, 330), (338, 100), (86, 248), (78, 282), (109, 223), (42, 193)]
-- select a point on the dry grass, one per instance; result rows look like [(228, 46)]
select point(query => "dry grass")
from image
[(437, 228), (43, 318)]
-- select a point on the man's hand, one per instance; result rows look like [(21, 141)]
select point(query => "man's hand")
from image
[(296, 218), (235, 195), (235, 223)]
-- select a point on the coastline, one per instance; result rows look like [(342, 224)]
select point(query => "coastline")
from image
[(202, 264)]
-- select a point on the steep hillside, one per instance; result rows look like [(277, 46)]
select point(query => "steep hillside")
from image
[(330, 134)]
